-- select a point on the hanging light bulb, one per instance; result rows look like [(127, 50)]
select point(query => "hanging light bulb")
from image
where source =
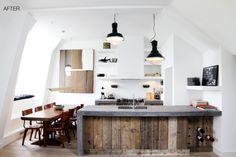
[(67, 66), (114, 37), (154, 55)]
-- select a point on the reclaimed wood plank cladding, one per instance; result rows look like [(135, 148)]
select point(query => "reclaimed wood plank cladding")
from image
[(208, 127), (89, 81), (125, 133), (163, 133), (88, 134), (145, 132), (182, 133), (98, 133), (107, 133), (155, 133), (172, 134), (135, 133), (116, 133)]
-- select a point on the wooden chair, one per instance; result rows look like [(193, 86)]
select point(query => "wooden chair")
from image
[(61, 128), (48, 106), (38, 108), (30, 126), (73, 119)]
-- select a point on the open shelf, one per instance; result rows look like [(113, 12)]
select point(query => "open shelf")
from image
[(204, 88), (122, 78), (106, 50)]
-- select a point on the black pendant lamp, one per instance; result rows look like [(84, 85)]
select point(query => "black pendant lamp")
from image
[(154, 55), (114, 37)]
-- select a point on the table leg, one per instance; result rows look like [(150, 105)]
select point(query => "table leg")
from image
[(45, 133)]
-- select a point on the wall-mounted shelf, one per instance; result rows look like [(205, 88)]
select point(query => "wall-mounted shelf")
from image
[(204, 88), (152, 64), (122, 78), (107, 50)]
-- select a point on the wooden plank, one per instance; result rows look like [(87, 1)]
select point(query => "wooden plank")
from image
[(149, 132), (208, 127), (146, 133), (62, 69), (89, 81), (143, 134), (163, 133), (182, 133), (135, 133), (76, 58), (155, 133), (116, 133), (98, 133), (191, 133), (125, 133), (172, 134), (88, 134), (107, 129)]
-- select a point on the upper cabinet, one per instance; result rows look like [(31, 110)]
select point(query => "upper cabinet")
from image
[(76, 71), (130, 58)]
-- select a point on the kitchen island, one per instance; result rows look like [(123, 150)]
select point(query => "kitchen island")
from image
[(155, 130)]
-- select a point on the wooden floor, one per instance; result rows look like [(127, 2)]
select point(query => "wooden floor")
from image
[(15, 149)]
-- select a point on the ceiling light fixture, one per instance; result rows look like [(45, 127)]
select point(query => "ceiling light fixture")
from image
[(114, 37), (154, 54)]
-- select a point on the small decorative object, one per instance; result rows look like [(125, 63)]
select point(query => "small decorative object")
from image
[(103, 95), (106, 45), (146, 85), (105, 60), (114, 86), (193, 81), (100, 75), (110, 96), (113, 60), (210, 76), (58, 107)]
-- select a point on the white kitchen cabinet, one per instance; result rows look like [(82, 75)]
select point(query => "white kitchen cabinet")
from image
[(130, 58)]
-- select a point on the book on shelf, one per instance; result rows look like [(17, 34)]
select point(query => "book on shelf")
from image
[(205, 107), (199, 102)]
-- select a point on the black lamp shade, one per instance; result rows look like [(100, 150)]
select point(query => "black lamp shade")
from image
[(154, 54), (114, 36)]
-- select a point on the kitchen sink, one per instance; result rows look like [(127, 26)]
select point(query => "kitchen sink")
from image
[(131, 107), (125, 107)]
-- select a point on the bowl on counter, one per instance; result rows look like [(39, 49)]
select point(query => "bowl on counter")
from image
[(58, 107)]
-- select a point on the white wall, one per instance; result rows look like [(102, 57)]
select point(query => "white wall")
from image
[(126, 88), (228, 128), (13, 32)]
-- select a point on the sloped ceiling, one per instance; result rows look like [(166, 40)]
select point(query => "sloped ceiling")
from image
[(216, 18)]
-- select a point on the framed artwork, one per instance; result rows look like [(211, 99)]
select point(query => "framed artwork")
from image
[(210, 76)]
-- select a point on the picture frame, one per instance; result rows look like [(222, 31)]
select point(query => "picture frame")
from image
[(210, 76)]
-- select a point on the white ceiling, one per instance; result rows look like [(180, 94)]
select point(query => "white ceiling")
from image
[(91, 19), (216, 18)]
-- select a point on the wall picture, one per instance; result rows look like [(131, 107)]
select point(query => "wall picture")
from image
[(210, 76)]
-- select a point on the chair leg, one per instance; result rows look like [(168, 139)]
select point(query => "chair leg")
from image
[(23, 140), (38, 130), (35, 135), (32, 130)]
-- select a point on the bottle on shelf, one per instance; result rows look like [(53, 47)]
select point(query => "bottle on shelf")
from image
[(200, 138), (209, 138), (200, 130)]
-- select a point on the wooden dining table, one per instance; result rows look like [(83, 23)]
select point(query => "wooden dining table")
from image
[(46, 116)]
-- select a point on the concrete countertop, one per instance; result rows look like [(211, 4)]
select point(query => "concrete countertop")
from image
[(151, 111), (113, 101)]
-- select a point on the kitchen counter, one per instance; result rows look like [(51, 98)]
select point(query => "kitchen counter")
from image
[(114, 102), (151, 111), (105, 129)]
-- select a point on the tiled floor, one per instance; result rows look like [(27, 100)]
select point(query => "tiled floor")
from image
[(15, 149)]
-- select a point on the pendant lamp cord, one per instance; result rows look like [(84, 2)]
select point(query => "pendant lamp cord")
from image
[(154, 25), (114, 17)]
